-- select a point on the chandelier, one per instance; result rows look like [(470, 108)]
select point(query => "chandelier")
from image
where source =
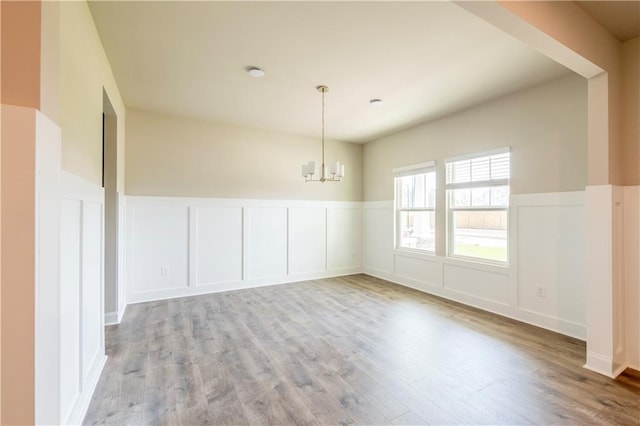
[(335, 172)]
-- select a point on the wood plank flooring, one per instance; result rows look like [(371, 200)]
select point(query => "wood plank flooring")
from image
[(349, 350)]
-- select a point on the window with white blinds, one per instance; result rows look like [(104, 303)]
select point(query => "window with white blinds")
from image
[(415, 203), (477, 205)]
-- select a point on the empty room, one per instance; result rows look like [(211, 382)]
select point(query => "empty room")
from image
[(377, 213)]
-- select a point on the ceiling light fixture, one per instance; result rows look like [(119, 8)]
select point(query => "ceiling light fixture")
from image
[(336, 171), (376, 102), (255, 72)]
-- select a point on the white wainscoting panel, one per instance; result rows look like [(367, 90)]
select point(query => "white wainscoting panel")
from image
[(420, 270), (546, 246), (307, 239), (47, 267), (218, 233), (551, 258), (91, 284), (267, 233), (472, 281), (82, 352), (344, 238), (122, 256), (379, 237), (208, 245), (70, 312), (160, 244)]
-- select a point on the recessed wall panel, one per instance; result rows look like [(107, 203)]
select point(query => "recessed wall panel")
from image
[(91, 283), (479, 283), (425, 271), (160, 248), (344, 238), (307, 240), (219, 245), (267, 239), (379, 239), (551, 258), (70, 246)]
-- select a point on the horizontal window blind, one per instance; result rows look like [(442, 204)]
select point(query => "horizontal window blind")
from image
[(492, 170)]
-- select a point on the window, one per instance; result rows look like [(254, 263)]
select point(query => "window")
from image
[(415, 207), (477, 206)]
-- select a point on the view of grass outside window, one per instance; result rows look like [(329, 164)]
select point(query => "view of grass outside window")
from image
[(415, 207), (477, 204)]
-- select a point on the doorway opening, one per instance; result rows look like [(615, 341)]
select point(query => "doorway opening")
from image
[(112, 294)]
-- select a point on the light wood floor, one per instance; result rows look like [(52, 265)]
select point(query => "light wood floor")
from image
[(346, 350)]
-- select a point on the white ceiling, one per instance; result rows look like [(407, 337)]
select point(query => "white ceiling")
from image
[(424, 59)]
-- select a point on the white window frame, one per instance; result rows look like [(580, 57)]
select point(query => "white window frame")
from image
[(449, 187), (411, 170)]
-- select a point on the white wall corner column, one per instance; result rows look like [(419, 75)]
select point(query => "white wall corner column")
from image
[(632, 274), (604, 242), (47, 291)]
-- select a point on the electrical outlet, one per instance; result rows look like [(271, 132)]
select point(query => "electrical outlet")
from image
[(541, 291), (164, 271)]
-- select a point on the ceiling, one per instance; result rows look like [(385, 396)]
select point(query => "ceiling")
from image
[(423, 59), (620, 18)]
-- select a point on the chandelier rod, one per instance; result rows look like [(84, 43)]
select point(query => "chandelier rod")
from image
[(323, 90)]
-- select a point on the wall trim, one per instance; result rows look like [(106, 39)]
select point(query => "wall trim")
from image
[(632, 274), (510, 310), (264, 250), (567, 328), (428, 272), (200, 290), (86, 197), (81, 406), (161, 201), (114, 318), (602, 365), (111, 318)]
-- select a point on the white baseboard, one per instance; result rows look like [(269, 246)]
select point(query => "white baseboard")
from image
[(114, 318), (79, 410), (236, 285), (556, 325), (111, 318), (603, 365)]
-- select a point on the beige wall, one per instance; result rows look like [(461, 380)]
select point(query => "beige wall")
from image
[(174, 156), (84, 71), (631, 111), (545, 126)]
